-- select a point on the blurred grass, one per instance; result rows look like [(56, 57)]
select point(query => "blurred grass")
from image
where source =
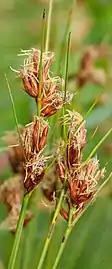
[(90, 243)]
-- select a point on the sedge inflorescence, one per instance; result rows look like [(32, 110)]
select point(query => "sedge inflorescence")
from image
[(79, 178), (34, 141), (51, 98), (67, 171)]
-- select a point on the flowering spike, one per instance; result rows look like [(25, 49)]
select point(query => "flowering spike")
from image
[(34, 140), (82, 179)]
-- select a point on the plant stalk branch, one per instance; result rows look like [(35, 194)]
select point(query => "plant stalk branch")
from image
[(51, 230), (48, 25), (15, 248), (40, 66), (72, 224)]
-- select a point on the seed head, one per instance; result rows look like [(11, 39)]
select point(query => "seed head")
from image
[(76, 137), (34, 137), (81, 180), (34, 141), (34, 173), (30, 71), (51, 99), (83, 183), (30, 84)]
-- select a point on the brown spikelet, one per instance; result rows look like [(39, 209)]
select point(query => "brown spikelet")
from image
[(82, 184), (51, 99), (82, 180), (34, 142), (30, 84), (30, 72)]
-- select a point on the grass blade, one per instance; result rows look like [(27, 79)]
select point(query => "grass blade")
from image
[(49, 25), (15, 115), (40, 66)]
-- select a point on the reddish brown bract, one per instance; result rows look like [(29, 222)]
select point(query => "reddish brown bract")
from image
[(34, 137), (34, 141), (51, 98), (81, 179)]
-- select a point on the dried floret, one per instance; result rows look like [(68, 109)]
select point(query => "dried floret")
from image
[(34, 142)]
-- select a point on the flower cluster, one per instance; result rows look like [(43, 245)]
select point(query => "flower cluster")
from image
[(51, 98), (81, 178), (31, 68), (34, 142), (27, 159)]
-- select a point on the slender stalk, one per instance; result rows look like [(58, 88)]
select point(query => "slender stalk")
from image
[(48, 25), (40, 67), (97, 146), (31, 231), (15, 115), (63, 243), (66, 80), (51, 230), (72, 224), (60, 64), (67, 60), (62, 47), (57, 210), (15, 248), (93, 134), (18, 233), (64, 239)]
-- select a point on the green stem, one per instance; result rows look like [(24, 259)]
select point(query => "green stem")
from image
[(15, 248), (15, 116), (31, 231), (65, 89), (98, 145), (64, 239), (58, 70), (66, 71), (48, 25), (51, 230), (56, 213), (63, 243), (40, 66), (70, 226), (62, 47)]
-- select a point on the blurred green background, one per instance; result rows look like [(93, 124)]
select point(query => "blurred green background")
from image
[(90, 244)]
